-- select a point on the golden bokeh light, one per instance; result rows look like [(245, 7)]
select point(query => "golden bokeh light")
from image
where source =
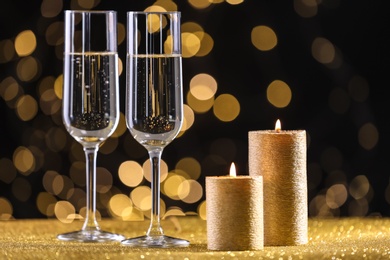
[(28, 68), (368, 136), (7, 51), (200, 4), (87, 4), (359, 187), (190, 44), (121, 128), (49, 102), (104, 180), (109, 145), (148, 172), (58, 86), (155, 8), (336, 196), (323, 50), (206, 43), (77, 173), (25, 43), (226, 107), (264, 38), (121, 206), (199, 106), (24, 160), (203, 86), (171, 186), (131, 173), (189, 118), (154, 23), (6, 209), (26, 108), (306, 8), (190, 166), (279, 94), (51, 8), (190, 191), (202, 210), (141, 197), (64, 211), (8, 167), (167, 5), (234, 2), (55, 34), (45, 203)]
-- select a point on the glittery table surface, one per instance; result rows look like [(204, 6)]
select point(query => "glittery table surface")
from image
[(345, 238)]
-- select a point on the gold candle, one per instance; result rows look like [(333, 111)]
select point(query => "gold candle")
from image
[(280, 157), (234, 206)]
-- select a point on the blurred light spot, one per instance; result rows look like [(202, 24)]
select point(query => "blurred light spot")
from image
[(202, 210), (190, 191), (26, 108), (358, 88), (55, 34), (336, 196), (199, 106), (121, 206), (141, 197), (10, 91), (45, 203), (21, 189), (359, 187), (203, 86), (109, 145), (323, 50), (190, 44), (206, 44), (154, 22), (121, 32), (319, 208), (174, 212), (86, 4), (25, 43), (368, 136), (306, 8), (51, 8), (7, 51), (103, 180), (7, 170), (58, 86), (56, 139), (49, 103), (64, 211), (171, 186), (148, 171), (45, 83), (279, 94), (6, 209), (331, 159), (77, 173), (121, 128), (339, 101), (77, 197), (48, 180), (120, 66), (234, 2), (130, 173), (226, 107), (27, 68), (189, 118), (23, 160), (167, 5), (263, 38), (358, 208), (199, 4), (155, 8), (190, 166)]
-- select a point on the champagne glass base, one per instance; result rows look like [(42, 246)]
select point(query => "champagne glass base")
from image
[(156, 241), (90, 236)]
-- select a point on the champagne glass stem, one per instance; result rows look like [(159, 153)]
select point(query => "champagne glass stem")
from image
[(90, 159), (155, 228)]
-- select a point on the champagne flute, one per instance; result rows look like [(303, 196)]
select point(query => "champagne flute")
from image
[(90, 100), (154, 106)]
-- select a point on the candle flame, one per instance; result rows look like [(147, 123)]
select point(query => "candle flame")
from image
[(232, 172), (278, 126)]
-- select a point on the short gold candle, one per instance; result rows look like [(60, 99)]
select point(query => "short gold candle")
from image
[(234, 207), (280, 157)]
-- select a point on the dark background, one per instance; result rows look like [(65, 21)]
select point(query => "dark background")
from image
[(357, 28)]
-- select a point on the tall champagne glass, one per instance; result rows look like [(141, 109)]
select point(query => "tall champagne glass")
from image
[(154, 106), (90, 99)]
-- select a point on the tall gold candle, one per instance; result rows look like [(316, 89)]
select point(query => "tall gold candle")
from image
[(280, 157), (234, 206)]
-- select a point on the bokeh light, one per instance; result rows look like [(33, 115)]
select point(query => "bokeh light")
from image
[(226, 107), (25, 43), (279, 94), (263, 38)]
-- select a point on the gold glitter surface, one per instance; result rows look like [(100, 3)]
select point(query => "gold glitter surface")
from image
[(234, 213), (280, 157), (349, 238)]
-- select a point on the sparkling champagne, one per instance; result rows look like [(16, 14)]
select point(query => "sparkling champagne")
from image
[(154, 104), (89, 81)]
